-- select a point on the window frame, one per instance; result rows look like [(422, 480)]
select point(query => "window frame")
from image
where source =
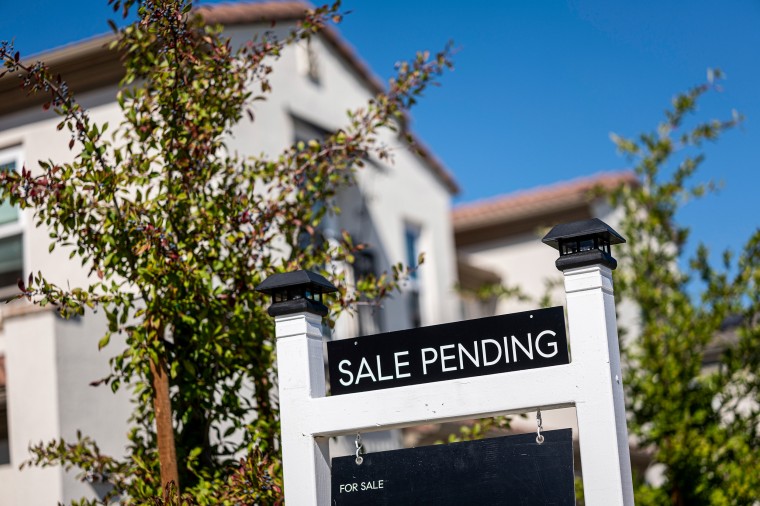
[(14, 154), (369, 316), (413, 291)]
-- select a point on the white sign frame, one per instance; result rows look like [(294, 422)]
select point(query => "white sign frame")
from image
[(591, 382)]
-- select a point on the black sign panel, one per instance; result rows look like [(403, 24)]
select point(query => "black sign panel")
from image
[(491, 345), (504, 470)]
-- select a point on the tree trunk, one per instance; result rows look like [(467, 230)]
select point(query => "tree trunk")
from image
[(676, 497), (167, 452)]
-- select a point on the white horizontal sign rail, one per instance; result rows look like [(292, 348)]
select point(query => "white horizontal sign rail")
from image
[(462, 399)]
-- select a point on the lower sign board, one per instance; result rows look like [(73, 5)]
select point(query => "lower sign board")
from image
[(492, 345), (504, 470)]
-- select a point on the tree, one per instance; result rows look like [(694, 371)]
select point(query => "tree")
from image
[(699, 420), (176, 232)]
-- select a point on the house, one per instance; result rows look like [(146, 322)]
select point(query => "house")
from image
[(47, 363)]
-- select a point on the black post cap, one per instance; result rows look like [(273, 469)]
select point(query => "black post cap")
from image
[(582, 243), (296, 292)]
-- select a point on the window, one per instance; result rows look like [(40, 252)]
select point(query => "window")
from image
[(11, 239), (306, 60), (411, 243), (369, 315), (303, 132)]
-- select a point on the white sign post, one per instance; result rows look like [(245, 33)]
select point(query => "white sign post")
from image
[(591, 382)]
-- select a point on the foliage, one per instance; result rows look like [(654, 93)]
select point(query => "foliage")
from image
[(176, 231), (698, 417), (473, 430)]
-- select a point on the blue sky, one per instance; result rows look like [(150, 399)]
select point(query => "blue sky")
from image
[(539, 86)]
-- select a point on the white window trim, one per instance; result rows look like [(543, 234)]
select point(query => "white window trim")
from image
[(415, 285), (417, 231)]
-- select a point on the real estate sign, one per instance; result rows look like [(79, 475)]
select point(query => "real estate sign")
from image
[(490, 471), (455, 372), (497, 344)]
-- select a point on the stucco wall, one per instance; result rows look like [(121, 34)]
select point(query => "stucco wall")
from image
[(95, 411), (33, 407)]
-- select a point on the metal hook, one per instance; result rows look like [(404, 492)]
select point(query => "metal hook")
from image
[(359, 449), (539, 422)]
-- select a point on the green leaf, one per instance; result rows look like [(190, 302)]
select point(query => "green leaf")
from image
[(104, 341)]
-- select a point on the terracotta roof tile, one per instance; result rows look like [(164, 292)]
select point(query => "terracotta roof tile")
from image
[(536, 201), (249, 12)]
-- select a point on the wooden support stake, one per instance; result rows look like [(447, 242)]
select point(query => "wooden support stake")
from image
[(167, 452)]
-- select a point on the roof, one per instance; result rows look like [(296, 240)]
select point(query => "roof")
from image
[(526, 210), (537, 200), (75, 63)]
